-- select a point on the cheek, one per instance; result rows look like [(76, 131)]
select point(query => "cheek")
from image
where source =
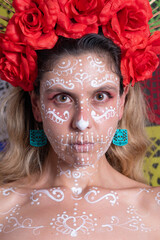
[(109, 113), (54, 132), (105, 114), (56, 115), (55, 121)]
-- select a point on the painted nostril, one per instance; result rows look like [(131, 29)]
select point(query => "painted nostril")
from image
[(82, 124)]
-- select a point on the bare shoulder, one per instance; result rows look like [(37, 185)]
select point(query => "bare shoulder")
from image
[(10, 200), (152, 197), (148, 202)]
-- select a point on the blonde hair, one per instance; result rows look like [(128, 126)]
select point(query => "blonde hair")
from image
[(20, 160), (128, 159)]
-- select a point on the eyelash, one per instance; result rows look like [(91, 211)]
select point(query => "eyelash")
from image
[(63, 94), (59, 95), (104, 93)]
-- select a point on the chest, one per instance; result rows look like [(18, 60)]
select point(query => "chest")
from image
[(58, 214)]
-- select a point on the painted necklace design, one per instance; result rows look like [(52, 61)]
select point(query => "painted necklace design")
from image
[(75, 223)]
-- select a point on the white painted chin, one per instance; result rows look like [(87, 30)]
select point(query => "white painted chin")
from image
[(82, 124), (84, 161)]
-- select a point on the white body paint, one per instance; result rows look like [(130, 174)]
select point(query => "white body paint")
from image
[(79, 147), (67, 225), (56, 194), (80, 73), (109, 113), (97, 64), (55, 118), (58, 81), (66, 68), (82, 124), (81, 77), (108, 78), (78, 223)]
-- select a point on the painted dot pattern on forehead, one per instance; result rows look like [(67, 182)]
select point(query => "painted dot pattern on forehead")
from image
[(75, 69)]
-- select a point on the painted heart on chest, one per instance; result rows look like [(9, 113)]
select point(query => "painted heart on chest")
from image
[(75, 224)]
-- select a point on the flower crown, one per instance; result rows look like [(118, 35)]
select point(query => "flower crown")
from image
[(37, 24)]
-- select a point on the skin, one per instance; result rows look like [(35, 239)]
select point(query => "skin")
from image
[(79, 195), (83, 102)]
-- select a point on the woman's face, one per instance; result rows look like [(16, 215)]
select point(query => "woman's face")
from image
[(80, 107)]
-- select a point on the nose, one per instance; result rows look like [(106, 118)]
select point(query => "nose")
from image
[(81, 119), (82, 124)]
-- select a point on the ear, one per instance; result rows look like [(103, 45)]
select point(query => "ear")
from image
[(122, 101), (35, 101)]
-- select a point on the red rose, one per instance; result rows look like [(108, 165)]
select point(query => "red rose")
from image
[(126, 21), (154, 41), (34, 22), (18, 64), (138, 64), (78, 18)]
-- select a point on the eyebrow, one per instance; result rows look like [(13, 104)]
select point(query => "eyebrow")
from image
[(61, 90), (64, 90), (106, 88)]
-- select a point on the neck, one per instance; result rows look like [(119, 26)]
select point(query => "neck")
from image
[(77, 178), (59, 173)]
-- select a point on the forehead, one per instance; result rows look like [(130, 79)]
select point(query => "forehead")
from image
[(82, 70)]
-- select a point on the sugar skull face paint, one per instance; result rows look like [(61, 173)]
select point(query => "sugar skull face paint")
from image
[(80, 107)]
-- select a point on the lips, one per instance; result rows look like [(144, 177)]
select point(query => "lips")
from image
[(82, 147)]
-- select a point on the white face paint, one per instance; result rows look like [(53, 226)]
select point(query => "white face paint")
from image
[(82, 124), (80, 108)]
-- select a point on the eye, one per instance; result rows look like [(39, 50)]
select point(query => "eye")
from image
[(62, 98), (102, 96)]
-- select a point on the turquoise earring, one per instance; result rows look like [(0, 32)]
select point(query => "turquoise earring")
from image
[(121, 137), (37, 138)]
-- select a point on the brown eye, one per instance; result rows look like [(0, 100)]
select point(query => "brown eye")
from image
[(62, 98), (100, 96)]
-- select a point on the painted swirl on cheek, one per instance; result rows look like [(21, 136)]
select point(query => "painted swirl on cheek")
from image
[(109, 113), (55, 117)]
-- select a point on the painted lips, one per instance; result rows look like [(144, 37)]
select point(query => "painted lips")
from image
[(82, 147)]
